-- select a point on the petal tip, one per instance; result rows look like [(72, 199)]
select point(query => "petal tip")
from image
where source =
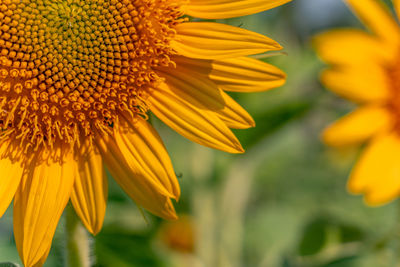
[(239, 150), (353, 187), (93, 229), (169, 212), (329, 137), (177, 194), (326, 137), (374, 200)]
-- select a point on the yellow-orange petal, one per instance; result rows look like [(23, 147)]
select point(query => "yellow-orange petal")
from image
[(89, 195), (9, 182), (367, 83), (240, 74), (376, 16), (396, 4), (196, 89), (144, 151), (234, 115), (199, 125), (222, 9), (42, 260), (351, 47), (377, 173), (137, 185), (199, 91), (208, 40), (39, 202), (358, 126)]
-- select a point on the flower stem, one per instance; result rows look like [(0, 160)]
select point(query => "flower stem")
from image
[(77, 242)]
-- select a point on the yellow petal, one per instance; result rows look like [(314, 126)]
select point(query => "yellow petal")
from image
[(145, 152), (222, 9), (89, 195), (378, 19), (358, 126), (198, 125), (377, 173), (240, 74), (42, 260), (137, 185), (11, 164), (208, 40), (234, 115), (39, 202), (204, 94), (396, 4), (198, 90), (351, 47), (362, 84)]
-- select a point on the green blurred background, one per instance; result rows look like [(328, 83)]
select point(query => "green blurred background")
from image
[(283, 203)]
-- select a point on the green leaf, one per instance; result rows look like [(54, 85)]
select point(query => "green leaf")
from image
[(123, 248), (351, 233), (314, 237), (8, 264)]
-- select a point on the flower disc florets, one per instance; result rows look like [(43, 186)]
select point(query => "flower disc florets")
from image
[(69, 66)]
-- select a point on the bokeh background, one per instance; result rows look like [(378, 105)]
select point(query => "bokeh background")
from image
[(281, 204)]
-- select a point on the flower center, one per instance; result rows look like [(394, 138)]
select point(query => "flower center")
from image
[(67, 66)]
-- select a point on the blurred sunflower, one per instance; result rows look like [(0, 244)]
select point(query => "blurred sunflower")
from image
[(77, 80), (366, 70), (179, 235)]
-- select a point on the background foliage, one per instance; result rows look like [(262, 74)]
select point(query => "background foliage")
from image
[(282, 203)]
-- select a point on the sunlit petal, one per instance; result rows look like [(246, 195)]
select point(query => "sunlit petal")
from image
[(39, 202), (208, 40), (89, 195), (240, 74), (144, 151), (222, 9), (135, 184), (201, 126)]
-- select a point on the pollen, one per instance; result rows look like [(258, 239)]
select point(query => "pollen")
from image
[(69, 67)]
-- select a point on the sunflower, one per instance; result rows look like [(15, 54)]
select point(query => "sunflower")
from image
[(366, 70), (78, 79)]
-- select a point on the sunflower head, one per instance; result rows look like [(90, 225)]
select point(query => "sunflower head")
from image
[(68, 67), (78, 79), (365, 69)]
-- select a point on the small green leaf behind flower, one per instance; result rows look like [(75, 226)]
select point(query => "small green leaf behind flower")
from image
[(8, 264)]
